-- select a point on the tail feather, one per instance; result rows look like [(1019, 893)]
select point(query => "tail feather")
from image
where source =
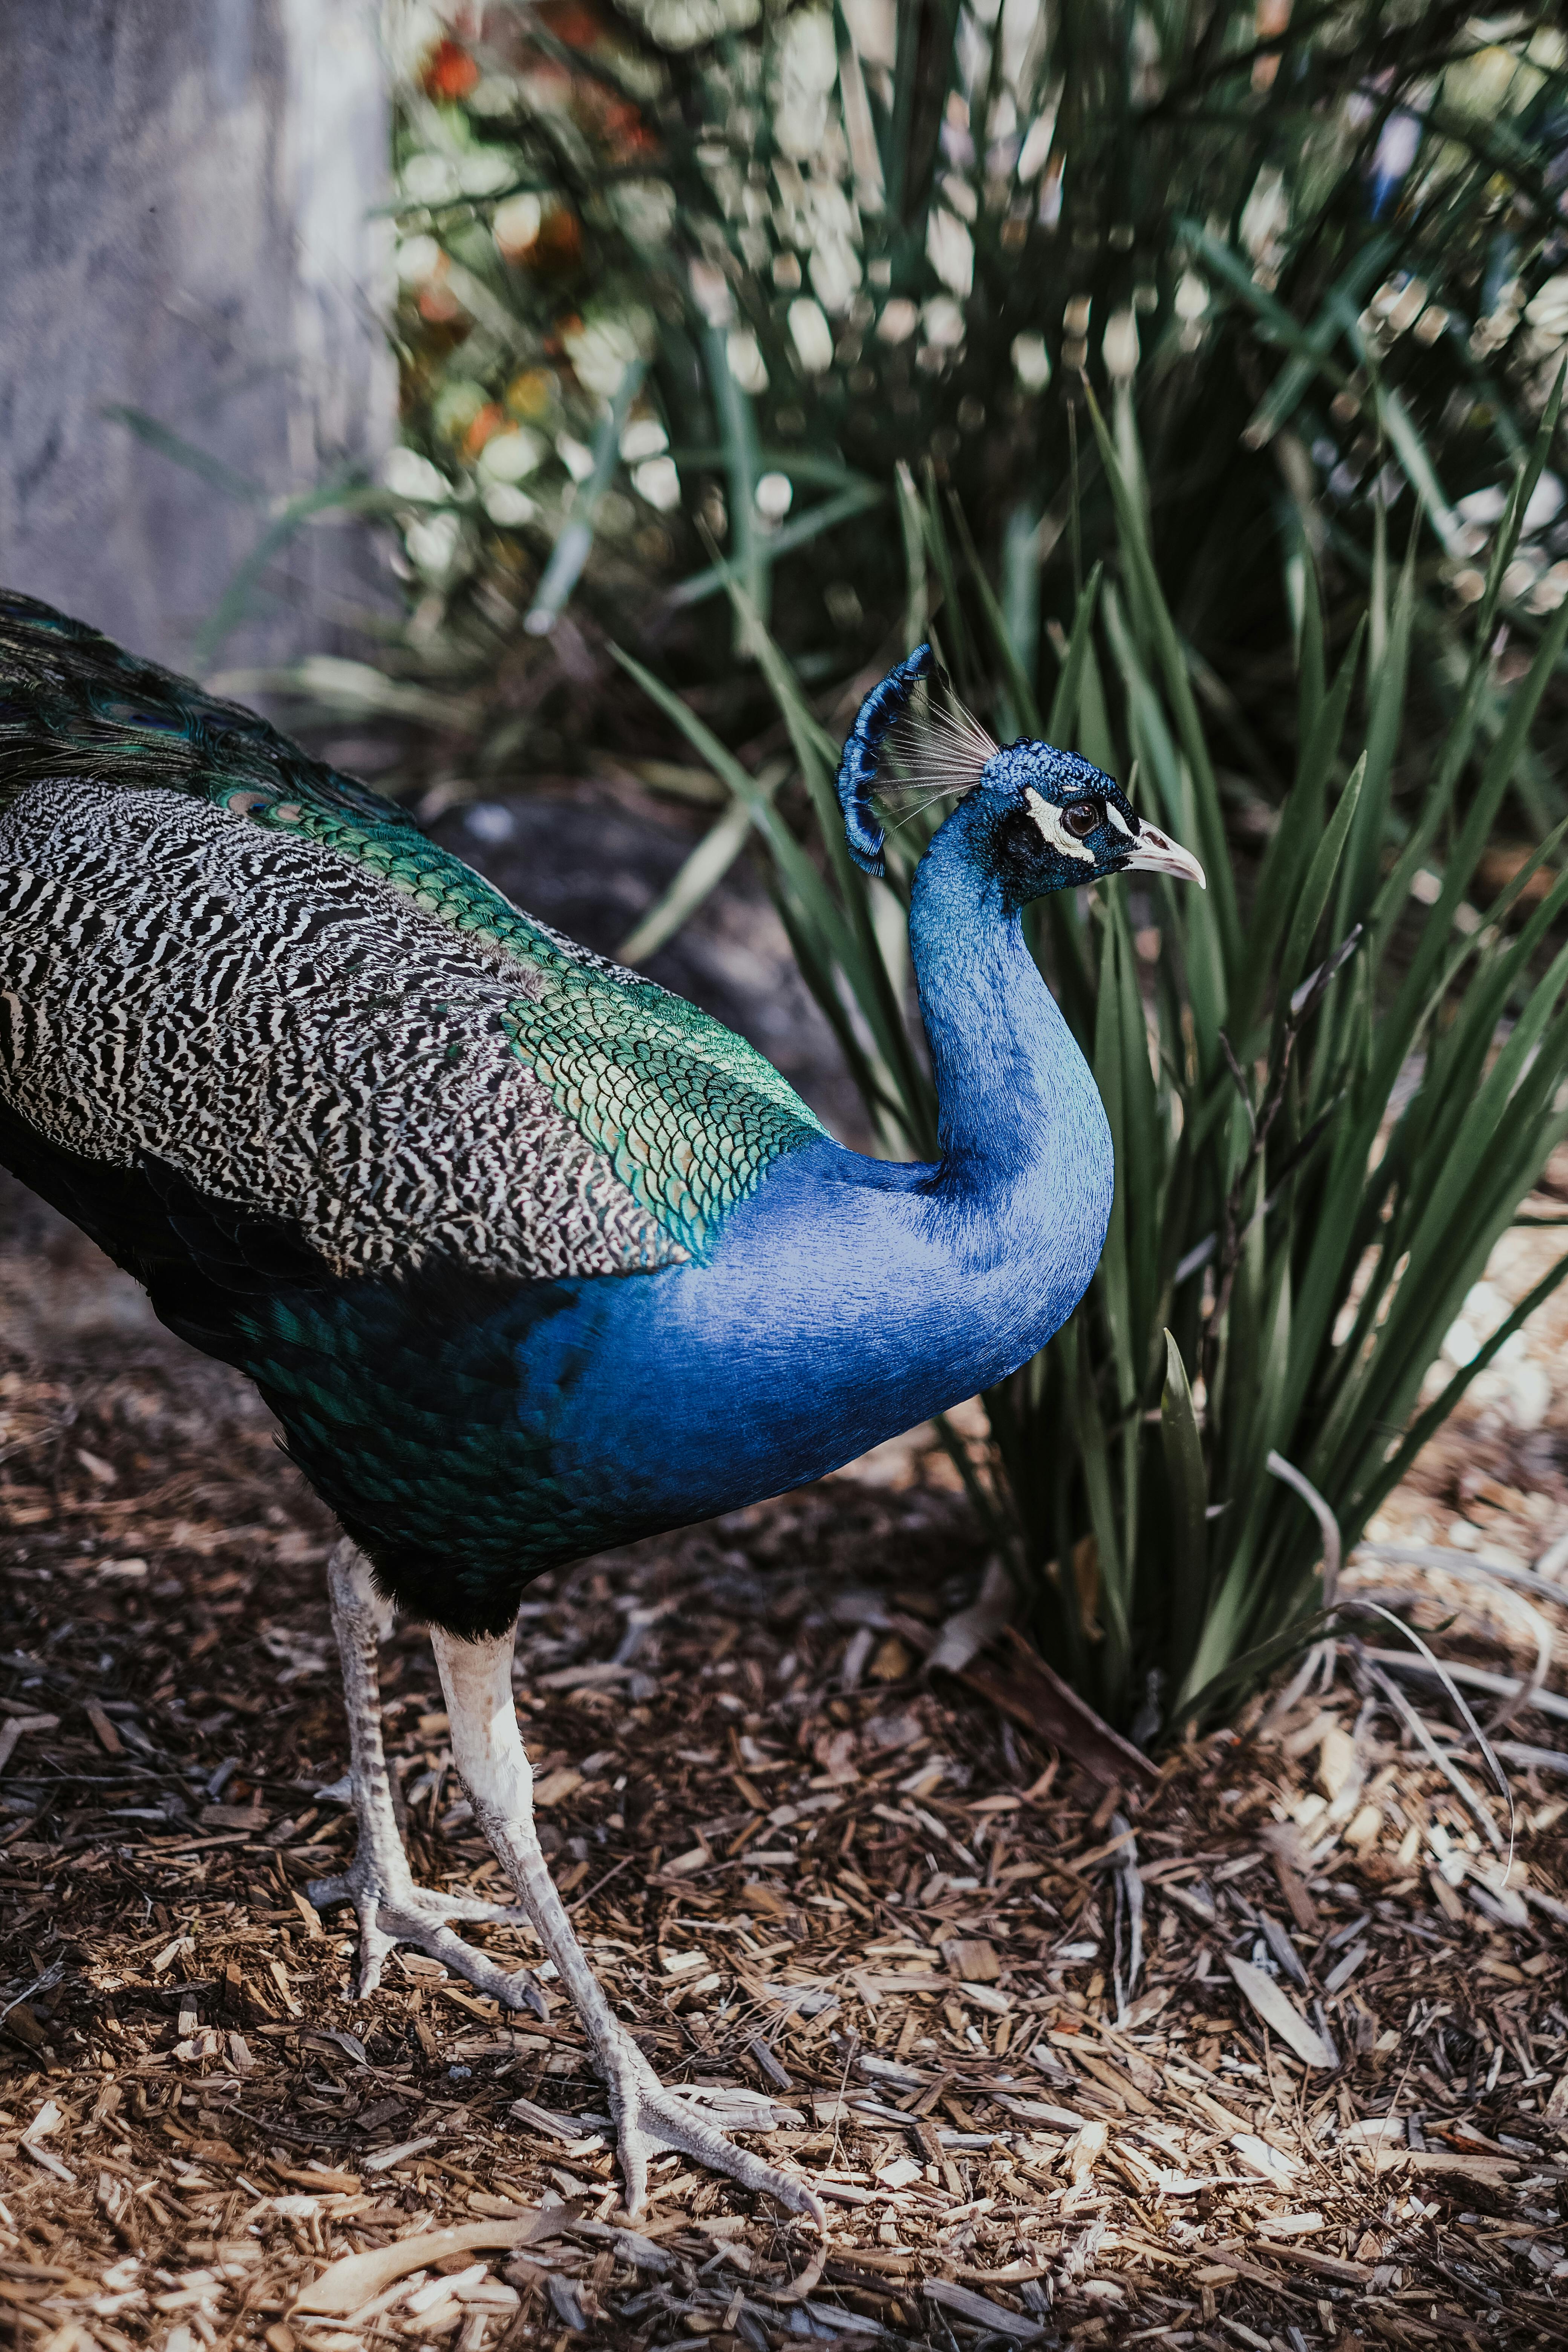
[(73, 705)]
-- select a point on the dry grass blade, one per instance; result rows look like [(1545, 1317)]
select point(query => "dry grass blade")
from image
[(1024, 1685)]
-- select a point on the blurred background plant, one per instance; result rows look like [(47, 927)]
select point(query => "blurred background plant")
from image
[(690, 275)]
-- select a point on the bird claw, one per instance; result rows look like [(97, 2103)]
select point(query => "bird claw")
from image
[(649, 2118), (414, 1914)]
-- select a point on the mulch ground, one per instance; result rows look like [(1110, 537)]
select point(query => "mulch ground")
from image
[(1275, 2055)]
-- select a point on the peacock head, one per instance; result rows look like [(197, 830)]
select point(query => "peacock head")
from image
[(1047, 819)]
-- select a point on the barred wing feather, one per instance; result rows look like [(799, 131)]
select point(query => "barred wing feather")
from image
[(222, 956)]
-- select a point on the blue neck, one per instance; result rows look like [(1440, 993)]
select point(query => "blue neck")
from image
[(1021, 1130), (850, 1298)]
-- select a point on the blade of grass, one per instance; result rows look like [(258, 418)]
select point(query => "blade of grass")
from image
[(570, 552), (699, 877), (788, 539), (1188, 1487), (1141, 576)]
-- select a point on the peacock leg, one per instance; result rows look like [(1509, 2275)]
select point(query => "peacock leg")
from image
[(493, 1765), (391, 1908)]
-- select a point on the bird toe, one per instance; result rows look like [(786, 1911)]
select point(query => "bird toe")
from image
[(417, 1916), (651, 2120)]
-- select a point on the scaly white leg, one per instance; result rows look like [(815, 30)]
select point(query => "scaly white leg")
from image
[(391, 1908), (487, 1752)]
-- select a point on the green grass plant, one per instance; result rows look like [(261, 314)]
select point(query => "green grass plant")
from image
[(1330, 1093)]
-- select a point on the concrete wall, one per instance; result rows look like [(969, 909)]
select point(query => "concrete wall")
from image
[(184, 187)]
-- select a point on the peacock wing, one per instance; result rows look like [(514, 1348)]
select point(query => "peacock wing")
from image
[(221, 955), (690, 1116)]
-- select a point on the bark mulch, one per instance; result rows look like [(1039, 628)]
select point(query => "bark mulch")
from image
[(1274, 2054)]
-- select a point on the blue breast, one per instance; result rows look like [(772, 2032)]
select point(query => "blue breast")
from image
[(849, 1301)]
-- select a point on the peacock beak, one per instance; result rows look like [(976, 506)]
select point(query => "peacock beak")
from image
[(1154, 852)]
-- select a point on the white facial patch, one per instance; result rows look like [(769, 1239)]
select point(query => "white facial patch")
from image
[(1048, 817), (1118, 820)]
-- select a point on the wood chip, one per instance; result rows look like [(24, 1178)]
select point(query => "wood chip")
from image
[(1024, 1686), (345, 2286), (1477, 2168), (1280, 2014), (18, 1727), (1327, 2266), (108, 1738), (973, 1958), (1259, 2156), (1015, 2275), (555, 1787), (385, 2158), (983, 2312)]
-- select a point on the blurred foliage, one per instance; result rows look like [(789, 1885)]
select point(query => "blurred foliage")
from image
[(683, 274)]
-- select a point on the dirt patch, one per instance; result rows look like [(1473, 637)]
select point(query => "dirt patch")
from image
[(1276, 2057)]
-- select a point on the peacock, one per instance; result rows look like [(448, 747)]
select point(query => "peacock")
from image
[(527, 1255)]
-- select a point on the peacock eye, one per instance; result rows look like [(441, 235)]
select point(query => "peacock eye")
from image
[(1083, 817)]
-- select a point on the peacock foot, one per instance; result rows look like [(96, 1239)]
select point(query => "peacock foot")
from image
[(396, 1913), (492, 1762), (650, 2118)]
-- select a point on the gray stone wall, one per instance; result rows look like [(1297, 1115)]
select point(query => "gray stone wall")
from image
[(185, 192)]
